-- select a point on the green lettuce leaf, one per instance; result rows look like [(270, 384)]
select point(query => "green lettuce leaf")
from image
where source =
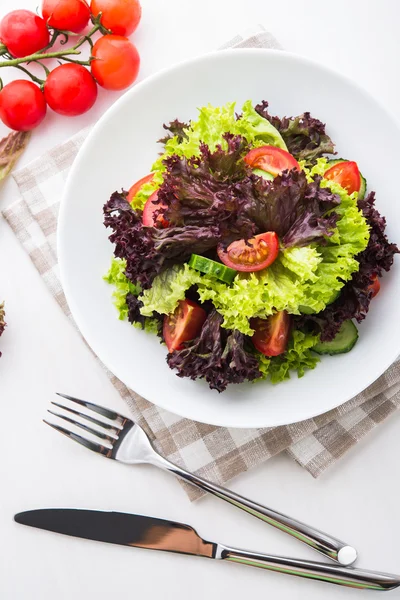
[(116, 277), (212, 123), (168, 289), (298, 357)]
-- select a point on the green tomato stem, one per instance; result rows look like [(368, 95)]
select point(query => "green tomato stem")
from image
[(62, 54), (33, 77)]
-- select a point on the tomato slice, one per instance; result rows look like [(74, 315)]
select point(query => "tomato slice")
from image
[(345, 173), (254, 254), (375, 286), (149, 219), (136, 186), (271, 159), (272, 335), (183, 325)]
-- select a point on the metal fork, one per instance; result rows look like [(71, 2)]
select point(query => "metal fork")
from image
[(125, 441)]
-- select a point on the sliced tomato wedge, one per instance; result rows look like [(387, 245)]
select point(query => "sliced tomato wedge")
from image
[(271, 159), (345, 173), (272, 335), (149, 218), (254, 254), (375, 286), (136, 186), (183, 325)]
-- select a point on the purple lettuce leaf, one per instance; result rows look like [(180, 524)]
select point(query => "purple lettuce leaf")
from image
[(133, 242), (134, 306), (147, 250), (208, 191), (136, 318), (355, 297), (217, 355), (295, 209), (305, 137), (217, 189), (175, 128)]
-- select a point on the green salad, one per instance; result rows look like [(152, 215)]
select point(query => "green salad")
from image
[(248, 248)]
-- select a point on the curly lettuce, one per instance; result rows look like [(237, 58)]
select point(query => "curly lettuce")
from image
[(116, 277), (298, 357), (212, 123), (124, 294), (168, 289), (304, 135)]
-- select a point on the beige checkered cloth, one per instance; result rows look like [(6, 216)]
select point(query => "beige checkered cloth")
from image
[(215, 453)]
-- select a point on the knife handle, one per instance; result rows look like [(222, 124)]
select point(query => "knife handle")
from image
[(327, 545), (345, 576)]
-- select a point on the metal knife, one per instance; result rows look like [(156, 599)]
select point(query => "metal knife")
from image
[(157, 534)]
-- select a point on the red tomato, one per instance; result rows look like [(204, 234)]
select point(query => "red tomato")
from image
[(70, 90), (22, 105), (149, 220), (271, 159), (116, 62), (67, 15), (119, 16), (375, 286), (23, 33), (346, 174), (136, 186), (183, 325), (272, 335), (250, 255)]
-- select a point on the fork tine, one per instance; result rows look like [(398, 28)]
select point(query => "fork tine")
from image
[(101, 410), (77, 438), (116, 428), (95, 432)]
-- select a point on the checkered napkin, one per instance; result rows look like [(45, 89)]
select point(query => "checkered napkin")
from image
[(216, 453)]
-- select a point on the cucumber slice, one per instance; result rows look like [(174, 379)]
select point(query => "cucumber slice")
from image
[(212, 268), (263, 174), (336, 161), (363, 186), (344, 341)]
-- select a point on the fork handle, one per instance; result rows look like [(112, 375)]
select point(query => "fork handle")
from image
[(321, 542), (345, 576)]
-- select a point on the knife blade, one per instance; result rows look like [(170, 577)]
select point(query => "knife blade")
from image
[(120, 528), (141, 531)]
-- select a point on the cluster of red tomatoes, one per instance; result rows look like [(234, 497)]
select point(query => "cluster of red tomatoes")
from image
[(71, 88)]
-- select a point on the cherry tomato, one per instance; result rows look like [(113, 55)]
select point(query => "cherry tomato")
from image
[(70, 90), (271, 159), (254, 254), (345, 173), (23, 33), (136, 186), (116, 62), (119, 16), (375, 286), (22, 105), (183, 325), (67, 15), (272, 335), (149, 219)]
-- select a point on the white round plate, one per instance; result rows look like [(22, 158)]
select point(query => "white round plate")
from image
[(121, 149)]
